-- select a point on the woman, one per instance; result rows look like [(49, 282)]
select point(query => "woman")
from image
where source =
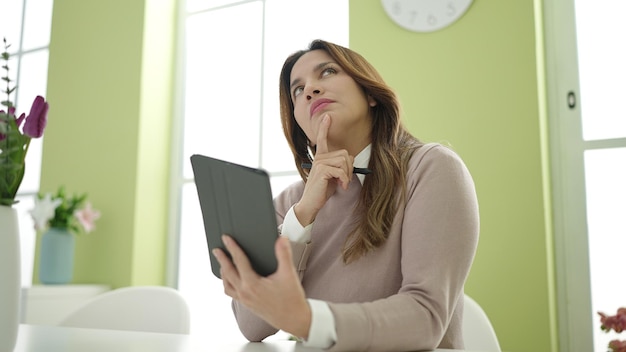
[(365, 262)]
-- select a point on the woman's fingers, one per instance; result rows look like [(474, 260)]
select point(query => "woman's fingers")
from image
[(239, 258), (226, 266), (337, 159), (284, 257), (321, 144), (236, 272), (228, 273), (279, 298)]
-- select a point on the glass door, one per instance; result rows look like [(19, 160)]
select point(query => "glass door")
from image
[(600, 30), (585, 73)]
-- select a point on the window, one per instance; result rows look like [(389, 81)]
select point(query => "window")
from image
[(230, 60), (601, 75), (26, 26), (589, 155)]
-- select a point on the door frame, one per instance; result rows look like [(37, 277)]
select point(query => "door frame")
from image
[(571, 246)]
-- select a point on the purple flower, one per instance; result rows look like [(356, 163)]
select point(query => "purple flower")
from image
[(37, 119), (11, 111), (20, 120)]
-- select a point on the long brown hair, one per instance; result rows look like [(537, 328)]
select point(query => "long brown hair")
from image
[(392, 147)]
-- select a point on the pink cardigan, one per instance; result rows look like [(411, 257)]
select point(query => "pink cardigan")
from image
[(407, 295)]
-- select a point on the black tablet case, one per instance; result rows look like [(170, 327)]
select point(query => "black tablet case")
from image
[(237, 200)]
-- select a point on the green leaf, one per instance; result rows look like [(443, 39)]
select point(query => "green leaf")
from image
[(7, 201)]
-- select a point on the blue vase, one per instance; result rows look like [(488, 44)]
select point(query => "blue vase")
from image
[(56, 260)]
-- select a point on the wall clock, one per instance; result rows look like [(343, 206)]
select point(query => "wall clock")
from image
[(425, 15)]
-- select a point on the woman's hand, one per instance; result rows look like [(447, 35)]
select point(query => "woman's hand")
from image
[(329, 169), (278, 299)]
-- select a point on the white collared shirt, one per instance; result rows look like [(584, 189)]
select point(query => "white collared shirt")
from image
[(322, 333)]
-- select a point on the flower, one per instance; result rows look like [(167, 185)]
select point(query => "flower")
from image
[(15, 135), (617, 346), (616, 323), (73, 213), (44, 210), (87, 217)]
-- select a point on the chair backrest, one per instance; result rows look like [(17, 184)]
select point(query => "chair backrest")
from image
[(478, 333), (138, 308)]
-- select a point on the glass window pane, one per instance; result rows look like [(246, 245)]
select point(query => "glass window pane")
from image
[(203, 291), (231, 61), (11, 22), (281, 40), (197, 5), (37, 22), (32, 175), (222, 93), (605, 173), (33, 79), (601, 57), (279, 183)]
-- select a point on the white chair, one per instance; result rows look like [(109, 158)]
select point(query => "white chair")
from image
[(138, 308), (478, 332)]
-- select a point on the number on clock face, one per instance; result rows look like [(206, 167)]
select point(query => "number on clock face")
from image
[(425, 15)]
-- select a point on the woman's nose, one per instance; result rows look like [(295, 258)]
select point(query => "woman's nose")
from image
[(311, 93)]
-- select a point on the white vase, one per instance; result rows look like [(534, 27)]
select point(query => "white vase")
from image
[(9, 277)]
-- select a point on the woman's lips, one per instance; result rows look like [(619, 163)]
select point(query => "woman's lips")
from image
[(319, 105)]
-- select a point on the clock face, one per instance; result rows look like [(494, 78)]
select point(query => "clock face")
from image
[(425, 15)]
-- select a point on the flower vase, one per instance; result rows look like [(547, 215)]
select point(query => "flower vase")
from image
[(10, 277), (56, 259)]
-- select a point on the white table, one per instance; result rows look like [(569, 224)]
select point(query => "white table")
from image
[(40, 338), (49, 304)]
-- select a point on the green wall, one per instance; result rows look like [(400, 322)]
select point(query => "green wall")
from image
[(109, 88), (476, 86)]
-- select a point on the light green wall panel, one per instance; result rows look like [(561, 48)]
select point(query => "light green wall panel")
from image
[(153, 162), (474, 86), (109, 88)]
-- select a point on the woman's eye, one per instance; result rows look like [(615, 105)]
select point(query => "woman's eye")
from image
[(327, 71), (297, 91)]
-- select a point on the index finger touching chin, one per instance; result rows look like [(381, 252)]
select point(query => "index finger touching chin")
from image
[(322, 135)]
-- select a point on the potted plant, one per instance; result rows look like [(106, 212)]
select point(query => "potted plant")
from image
[(16, 132), (61, 217)]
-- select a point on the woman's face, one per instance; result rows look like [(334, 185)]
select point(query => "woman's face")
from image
[(320, 86)]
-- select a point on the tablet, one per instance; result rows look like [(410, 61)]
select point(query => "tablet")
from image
[(237, 200)]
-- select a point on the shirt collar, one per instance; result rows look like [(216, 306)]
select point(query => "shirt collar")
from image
[(362, 160)]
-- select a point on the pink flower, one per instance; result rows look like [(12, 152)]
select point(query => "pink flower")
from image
[(37, 119), (617, 346), (615, 322), (87, 217)]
